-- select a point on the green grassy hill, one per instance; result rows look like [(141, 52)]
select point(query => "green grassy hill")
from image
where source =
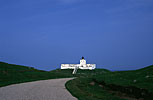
[(119, 85), (12, 74), (98, 84), (142, 78)]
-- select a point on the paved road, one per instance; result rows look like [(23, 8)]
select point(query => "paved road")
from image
[(53, 89)]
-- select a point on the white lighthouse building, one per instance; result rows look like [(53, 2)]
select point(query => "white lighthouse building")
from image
[(82, 65)]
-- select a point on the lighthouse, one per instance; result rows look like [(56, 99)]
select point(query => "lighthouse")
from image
[(83, 65)]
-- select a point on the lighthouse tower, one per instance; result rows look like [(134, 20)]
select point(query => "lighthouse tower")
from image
[(82, 62)]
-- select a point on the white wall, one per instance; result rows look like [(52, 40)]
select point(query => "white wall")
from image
[(72, 66)]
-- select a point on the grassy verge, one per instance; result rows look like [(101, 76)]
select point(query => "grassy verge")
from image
[(84, 89), (122, 85)]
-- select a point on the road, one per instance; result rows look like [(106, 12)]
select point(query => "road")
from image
[(53, 89)]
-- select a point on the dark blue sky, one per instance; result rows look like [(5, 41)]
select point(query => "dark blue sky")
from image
[(114, 34)]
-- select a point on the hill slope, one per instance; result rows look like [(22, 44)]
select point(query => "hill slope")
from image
[(11, 74), (119, 85), (142, 78)]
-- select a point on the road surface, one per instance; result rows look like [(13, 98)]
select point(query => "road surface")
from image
[(53, 89)]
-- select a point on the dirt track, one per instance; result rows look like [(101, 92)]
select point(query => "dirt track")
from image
[(53, 89)]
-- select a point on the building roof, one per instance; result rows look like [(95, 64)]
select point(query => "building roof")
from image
[(82, 57)]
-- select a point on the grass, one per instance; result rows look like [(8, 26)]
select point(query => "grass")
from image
[(12, 74), (142, 78), (83, 90), (89, 87)]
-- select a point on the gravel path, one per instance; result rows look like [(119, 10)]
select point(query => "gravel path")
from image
[(53, 89)]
